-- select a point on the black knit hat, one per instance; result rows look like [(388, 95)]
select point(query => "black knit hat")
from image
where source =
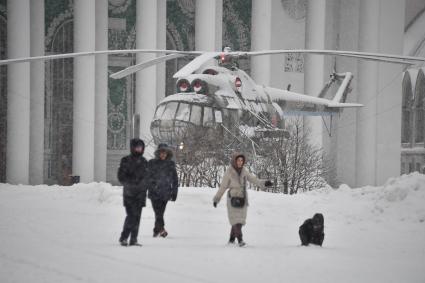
[(137, 142)]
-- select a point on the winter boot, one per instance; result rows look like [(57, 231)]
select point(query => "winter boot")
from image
[(232, 240), (163, 233), (156, 232), (123, 242), (135, 243), (241, 242)]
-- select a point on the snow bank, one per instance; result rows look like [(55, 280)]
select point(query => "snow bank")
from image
[(69, 234), (401, 198)]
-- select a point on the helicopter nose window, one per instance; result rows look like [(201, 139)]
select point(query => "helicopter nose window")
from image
[(170, 111), (208, 116), (210, 72), (183, 113), (159, 111), (196, 115)]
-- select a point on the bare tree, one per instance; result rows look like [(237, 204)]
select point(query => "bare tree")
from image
[(292, 163)]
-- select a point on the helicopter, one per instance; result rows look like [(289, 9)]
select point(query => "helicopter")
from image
[(214, 95), (219, 98)]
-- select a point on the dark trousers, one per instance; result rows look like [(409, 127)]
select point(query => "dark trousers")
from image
[(159, 209), (133, 209), (236, 232)]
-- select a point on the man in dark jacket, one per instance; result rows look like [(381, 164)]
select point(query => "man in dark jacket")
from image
[(162, 183), (131, 173), (312, 231)]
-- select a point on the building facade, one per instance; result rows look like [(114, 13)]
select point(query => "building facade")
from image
[(87, 119)]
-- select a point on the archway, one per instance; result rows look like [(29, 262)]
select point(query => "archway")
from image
[(419, 108), (406, 117)]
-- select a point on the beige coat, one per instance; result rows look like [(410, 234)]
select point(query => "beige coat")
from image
[(235, 183)]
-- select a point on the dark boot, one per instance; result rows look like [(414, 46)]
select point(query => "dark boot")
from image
[(163, 233), (241, 242), (135, 243), (123, 242)]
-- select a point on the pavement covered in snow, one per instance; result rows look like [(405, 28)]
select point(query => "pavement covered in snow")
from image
[(70, 234)]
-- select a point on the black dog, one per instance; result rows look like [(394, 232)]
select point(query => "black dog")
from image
[(311, 232)]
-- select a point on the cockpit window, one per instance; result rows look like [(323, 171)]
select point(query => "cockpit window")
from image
[(159, 111), (183, 113), (208, 116), (210, 72), (196, 114), (170, 111)]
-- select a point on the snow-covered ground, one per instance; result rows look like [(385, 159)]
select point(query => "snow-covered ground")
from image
[(69, 234)]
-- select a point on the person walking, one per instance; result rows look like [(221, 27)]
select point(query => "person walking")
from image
[(234, 180), (162, 184), (131, 173)]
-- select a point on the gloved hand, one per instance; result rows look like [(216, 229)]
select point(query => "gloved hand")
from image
[(215, 204), (268, 183), (173, 197)]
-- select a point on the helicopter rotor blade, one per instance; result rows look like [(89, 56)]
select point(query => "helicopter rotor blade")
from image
[(391, 58), (91, 53), (380, 59), (135, 68)]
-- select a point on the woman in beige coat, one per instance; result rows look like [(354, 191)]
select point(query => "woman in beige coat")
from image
[(234, 180)]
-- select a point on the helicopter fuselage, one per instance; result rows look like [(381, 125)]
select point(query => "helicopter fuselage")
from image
[(221, 99)]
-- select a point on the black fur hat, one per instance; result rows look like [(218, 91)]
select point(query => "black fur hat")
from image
[(166, 148)]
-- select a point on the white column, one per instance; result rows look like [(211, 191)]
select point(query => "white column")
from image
[(84, 91), (101, 97), (150, 30), (379, 121), (345, 129), (272, 27), (18, 93), (261, 39), (208, 25), (36, 165), (314, 65), (161, 44), (367, 90), (388, 122)]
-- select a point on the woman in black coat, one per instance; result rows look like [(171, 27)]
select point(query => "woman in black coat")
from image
[(131, 173), (162, 184)]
